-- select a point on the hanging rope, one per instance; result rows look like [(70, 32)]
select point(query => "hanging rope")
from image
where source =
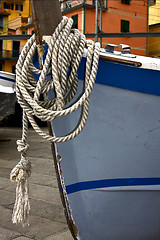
[(65, 51)]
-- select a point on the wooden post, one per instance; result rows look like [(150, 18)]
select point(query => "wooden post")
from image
[(46, 16), (96, 21)]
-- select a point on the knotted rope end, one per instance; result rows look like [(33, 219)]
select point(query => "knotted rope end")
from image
[(20, 173)]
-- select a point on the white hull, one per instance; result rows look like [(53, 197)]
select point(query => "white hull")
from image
[(121, 140), (111, 170), (7, 94)]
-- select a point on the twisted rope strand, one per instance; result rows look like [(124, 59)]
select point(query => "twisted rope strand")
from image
[(65, 50)]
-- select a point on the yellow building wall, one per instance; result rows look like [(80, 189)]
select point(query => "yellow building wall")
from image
[(154, 13), (8, 65), (15, 23), (154, 42), (4, 30), (9, 44), (16, 13), (15, 20)]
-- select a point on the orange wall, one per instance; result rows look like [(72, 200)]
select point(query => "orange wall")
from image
[(30, 30), (135, 13), (8, 65), (80, 17)]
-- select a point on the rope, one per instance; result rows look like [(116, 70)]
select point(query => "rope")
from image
[(64, 54)]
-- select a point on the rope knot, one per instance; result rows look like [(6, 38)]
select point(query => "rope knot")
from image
[(21, 171), (22, 146), (63, 57)]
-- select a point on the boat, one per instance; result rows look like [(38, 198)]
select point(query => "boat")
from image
[(111, 170), (7, 94), (108, 176)]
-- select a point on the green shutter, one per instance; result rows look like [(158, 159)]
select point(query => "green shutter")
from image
[(1, 21), (75, 21), (124, 26), (126, 1)]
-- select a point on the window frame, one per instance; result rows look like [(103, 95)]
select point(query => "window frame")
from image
[(127, 2), (19, 7), (1, 22), (123, 27), (75, 24), (8, 6)]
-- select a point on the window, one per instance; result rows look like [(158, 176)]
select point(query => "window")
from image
[(1, 48), (1, 22), (13, 69), (105, 3), (1, 45), (15, 48), (8, 6), (75, 21), (152, 2), (19, 7), (32, 32), (126, 1), (124, 26), (1, 66)]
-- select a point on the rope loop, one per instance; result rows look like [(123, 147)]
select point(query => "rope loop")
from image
[(65, 50)]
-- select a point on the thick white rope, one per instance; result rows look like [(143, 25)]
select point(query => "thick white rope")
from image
[(65, 51)]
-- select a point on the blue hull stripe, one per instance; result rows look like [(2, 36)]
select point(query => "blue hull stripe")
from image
[(125, 77), (88, 185), (8, 79), (120, 76)]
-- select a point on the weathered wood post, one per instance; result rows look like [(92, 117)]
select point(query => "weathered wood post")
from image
[(46, 16)]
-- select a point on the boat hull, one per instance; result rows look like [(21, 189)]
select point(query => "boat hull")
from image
[(111, 170), (7, 94)]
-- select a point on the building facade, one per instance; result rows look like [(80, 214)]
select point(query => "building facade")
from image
[(154, 26), (154, 42), (3, 31), (16, 8), (117, 16), (18, 12), (154, 10)]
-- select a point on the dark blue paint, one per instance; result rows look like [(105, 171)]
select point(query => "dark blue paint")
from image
[(88, 185), (120, 75), (8, 79), (125, 77)]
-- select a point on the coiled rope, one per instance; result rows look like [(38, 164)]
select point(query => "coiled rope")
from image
[(65, 51)]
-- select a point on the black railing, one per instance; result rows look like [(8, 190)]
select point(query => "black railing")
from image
[(68, 4)]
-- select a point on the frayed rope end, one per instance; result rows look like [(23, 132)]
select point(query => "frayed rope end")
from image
[(20, 173)]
